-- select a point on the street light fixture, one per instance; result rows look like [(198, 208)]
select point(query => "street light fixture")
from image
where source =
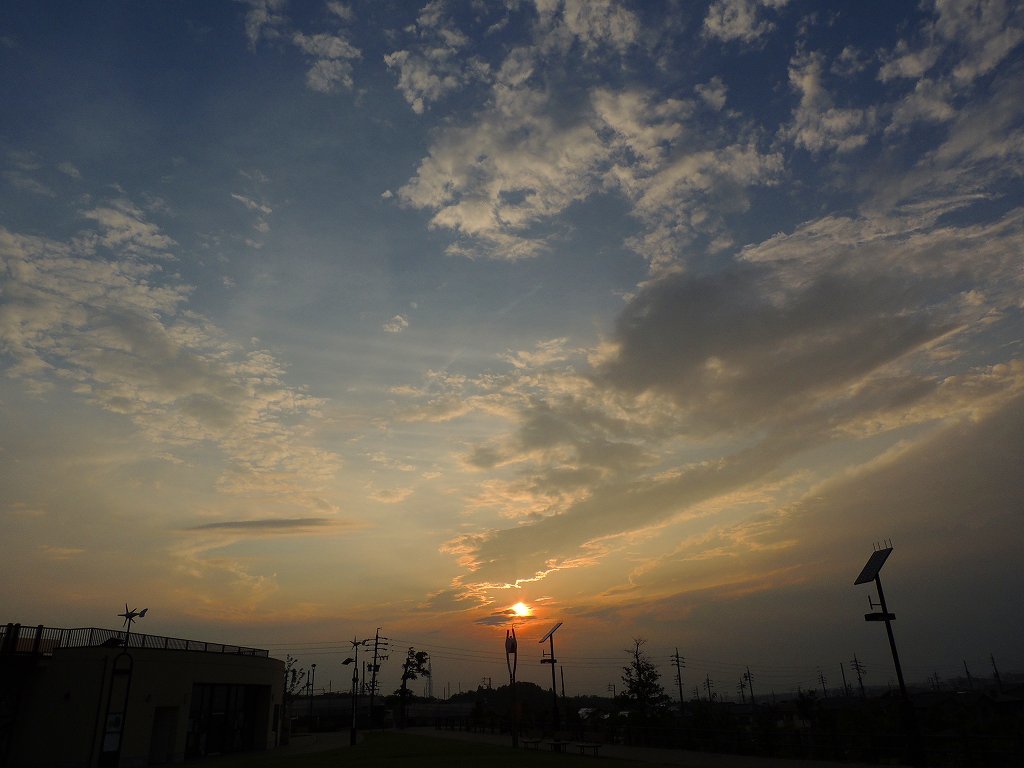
[(550, 636), (312, 681), (869, 573), (354, 661)]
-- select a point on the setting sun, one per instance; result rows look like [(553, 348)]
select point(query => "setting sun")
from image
[(521, 609)]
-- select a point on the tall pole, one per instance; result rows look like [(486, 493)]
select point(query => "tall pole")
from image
[(373, 670), (312, 681), (354, 661), (750, 684), (512, 660), (680, 663), (892, 638), (550, 636), (554, 692)]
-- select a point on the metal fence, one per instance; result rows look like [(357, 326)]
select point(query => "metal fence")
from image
[(15, 638)]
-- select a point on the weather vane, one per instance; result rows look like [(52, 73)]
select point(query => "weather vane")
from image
[(129, 617)]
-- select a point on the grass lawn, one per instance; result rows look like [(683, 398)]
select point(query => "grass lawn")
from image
[(421, 751)]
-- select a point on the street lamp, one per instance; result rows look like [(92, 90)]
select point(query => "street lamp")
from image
[(869, 573), (511, 658), (550, 636), (354, 661), (312, 681)]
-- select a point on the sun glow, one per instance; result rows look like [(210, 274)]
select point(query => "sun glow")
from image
[(521, 609)]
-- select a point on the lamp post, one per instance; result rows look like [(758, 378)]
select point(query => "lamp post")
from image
[(312, 682), (550, 636), (870, 573), (354, 661)]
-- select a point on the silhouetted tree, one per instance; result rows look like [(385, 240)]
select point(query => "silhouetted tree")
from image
[(293, 678), (415, 665), (643, 694), (293, 681)]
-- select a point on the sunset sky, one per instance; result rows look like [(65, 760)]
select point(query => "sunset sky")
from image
[(318, 317)]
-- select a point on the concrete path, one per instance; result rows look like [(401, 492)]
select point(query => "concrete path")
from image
[(320, 742), (672, 757)]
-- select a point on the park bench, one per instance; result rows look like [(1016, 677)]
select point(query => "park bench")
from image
[(588, 746)]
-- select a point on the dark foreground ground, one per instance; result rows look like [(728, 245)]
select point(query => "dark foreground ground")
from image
[(432, 748)]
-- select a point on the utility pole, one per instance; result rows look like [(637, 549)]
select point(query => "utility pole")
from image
[(970, 680), (561, 672), (379, 644), (742, 688), (750, 684), (680, 662), (709, 684), (821, 679), (846, 688), (312, 677)]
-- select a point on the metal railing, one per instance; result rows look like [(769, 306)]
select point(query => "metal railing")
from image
[(15, 638)]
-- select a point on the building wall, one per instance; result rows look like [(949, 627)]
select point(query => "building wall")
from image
[(62, 711)]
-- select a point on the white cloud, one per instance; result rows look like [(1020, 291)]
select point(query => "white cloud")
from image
[(264, 19), (423, 79), (123, 226), (253, 205), (515, 168), (929, 102), (729, 20), (69, 170), (332, 55), (984, 32), (713, 92), (26, 183), (396, 324), (435, 63), (979, 34), (119, 333), (597, 25), (817, 124), (342, 10)]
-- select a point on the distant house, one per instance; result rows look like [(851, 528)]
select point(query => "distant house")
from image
[(79, 698)]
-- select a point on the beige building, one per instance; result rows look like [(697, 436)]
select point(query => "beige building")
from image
[(78, 698)]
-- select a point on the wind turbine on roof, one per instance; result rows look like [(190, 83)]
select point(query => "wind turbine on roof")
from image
[(129, 617)]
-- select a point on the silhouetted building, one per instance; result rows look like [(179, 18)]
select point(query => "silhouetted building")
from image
[(77, 697)]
